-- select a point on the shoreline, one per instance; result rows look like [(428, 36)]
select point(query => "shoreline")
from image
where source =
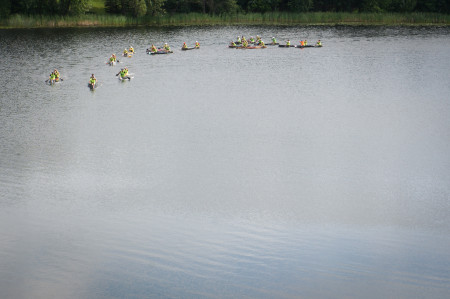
[(196, 19)]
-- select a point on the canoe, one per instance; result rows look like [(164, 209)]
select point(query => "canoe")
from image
[(272, 44), (255, 47), (307, 46), (127, 77), (286, 46), (160, 51), (53, 82)]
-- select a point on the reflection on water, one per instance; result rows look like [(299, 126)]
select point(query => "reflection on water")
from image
[(275, 173)]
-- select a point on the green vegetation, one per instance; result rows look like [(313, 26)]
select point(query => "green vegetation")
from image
[(70, 13)]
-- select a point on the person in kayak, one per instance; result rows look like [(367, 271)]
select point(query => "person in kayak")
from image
[(92, 80), (274, 40), (184, 46), (302, 43), (238, 40), (123, 73), (197, 45), (52, 77), (113, 58), (166, 47), (319, 43), (288, 43), (261, 43), (125, 52), (232, 44), (305, 42), (131, 49), (56, 74)]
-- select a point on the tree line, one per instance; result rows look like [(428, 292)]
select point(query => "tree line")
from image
[(136, 8)]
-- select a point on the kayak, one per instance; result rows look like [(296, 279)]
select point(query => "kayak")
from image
[(92, 86), (255, 47), (159, 52), (286, 46), (192, 48), (272, 44), (111, 63), (52, 82), (127, 77), (307, 46), (127, 54)]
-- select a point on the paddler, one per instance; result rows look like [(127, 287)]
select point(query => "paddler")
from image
[(131, 49), (274, 40), (233, 44), (153, 49), (302, 43), (52, 77), (197, 45), (261, 43), (305, 42), (166, 47), (288, 43), (125, 52), (92, 80), (252, 40), (319, 43), (56, 74), (238, 40), (184, 45)]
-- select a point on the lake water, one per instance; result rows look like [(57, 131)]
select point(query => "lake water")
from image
[(224, 173)]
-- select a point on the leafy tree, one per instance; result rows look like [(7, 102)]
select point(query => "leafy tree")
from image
[(300, 5), (112, 6), (262, 5), (5, 8), (74, 7), (155, 7)]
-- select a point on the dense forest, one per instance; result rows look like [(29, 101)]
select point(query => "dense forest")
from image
[(136, 8)]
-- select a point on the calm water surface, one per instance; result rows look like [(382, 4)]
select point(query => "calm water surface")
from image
[(223, 173)]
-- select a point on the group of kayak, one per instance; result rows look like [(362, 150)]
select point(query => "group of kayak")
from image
[(258, 43), (240, 43)]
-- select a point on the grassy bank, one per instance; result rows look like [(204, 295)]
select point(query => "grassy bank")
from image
[(274, 18)]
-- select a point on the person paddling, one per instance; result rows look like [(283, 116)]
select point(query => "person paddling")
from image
[(197, 45), (274, 40), (56, 75), (124, 74), (319, 43), (92, 81), (52, 78), (288, 43), (185, 46)]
